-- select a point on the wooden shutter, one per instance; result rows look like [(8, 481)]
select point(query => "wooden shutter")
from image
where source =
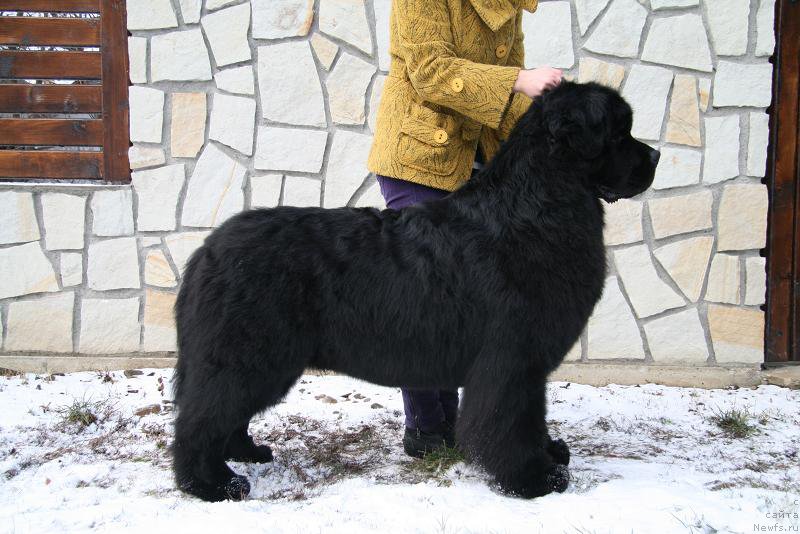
[(50, 128)]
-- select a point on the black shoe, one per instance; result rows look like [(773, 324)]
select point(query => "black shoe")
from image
[(418, 443)]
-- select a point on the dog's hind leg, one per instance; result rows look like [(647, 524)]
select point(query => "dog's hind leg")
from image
[(513, 447)]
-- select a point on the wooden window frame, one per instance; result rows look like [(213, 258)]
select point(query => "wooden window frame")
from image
[(109, 99)]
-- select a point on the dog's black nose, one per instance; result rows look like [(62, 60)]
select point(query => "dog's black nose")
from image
[(655, 155)]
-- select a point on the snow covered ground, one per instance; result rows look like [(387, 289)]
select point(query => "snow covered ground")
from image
[(87, 451)]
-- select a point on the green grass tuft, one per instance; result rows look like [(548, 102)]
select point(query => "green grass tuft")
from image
[(735, 423)]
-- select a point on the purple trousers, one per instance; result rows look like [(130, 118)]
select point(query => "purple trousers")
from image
[(425, 409)]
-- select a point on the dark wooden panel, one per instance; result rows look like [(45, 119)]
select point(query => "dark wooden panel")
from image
[(70, 65), (27, 31), (40, 98), (64, 6), (115, 91), (51, 132), (50, 164), (782, 275)]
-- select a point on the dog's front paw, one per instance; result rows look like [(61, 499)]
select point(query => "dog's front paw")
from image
[(558, 478), (237, 488), (559, 451)]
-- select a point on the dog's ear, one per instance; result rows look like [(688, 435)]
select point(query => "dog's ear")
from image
[(574, 126)]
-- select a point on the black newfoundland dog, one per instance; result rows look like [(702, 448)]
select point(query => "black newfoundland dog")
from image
[(487, 289)]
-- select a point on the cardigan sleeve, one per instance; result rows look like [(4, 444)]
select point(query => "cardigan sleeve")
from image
[(519, 102), (478, 91)]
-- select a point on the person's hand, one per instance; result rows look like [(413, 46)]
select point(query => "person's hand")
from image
[(532, 82)]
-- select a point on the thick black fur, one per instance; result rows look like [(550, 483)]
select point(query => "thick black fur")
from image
[(486, 289)]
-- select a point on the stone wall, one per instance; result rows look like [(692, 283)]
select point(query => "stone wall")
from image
[(238, 104)]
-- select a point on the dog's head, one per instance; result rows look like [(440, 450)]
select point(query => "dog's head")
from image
[(590, 125)]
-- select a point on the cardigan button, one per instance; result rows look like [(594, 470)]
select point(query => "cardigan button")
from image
[(457, 85), (501, 51), (440, 136)]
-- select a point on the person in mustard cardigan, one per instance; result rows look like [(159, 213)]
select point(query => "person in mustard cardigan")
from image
[(456, 87)]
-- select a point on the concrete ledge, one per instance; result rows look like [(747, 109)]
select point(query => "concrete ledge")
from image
[(595, 374)]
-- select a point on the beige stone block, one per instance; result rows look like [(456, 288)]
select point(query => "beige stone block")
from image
[(737, 334), (677, 338), (649, 295), (325, 50), (756, 284), (723, 279), (43, 324), (188, 126), (181, 246), (141, 157), (602, 72), (109, 326), (159, 322), (623, 222), (742, 217), (681, 214), (704, 91), (37, 276), (17, 218), (71, 269), (574, 354), (686, 262), (64, 217), (683, 127), (157, 270)]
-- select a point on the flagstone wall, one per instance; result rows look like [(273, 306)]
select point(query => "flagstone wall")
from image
[(238, 104)]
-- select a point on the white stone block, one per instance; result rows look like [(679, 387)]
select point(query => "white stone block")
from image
[(286, 149), (619, 31), (677, 167), (301, 191), (215, 191), (37, 276), (677, 338), (375, 100), (179, 56), (141, 157), (723, 279), (157, 270), (41, 325), (17, 218), (160, 334), (757, 144), (226, 31), (113, 264), (668, 4), (648, 294), (347, 167), (347, 89), (63, 218), (587, 11), (190, 10), (686, 262), (681, 214), (216, 4), (151, 15), (704, 92), (265, 190), (289, 84), (137, 59), (623, 222), (71, 269), (383, 9), (738, 84), (181, 246), (742, 217), (157, 192), (765, 28), (372, 198), (346, 20), (680, 41), (722, 149), (109, 326), (275, 19), (146, 114), (112, 212), (612, 328), (737, 334), (646, 91), (237, 80), (548, 36), (728, 21), (756, 281), (233, 122)]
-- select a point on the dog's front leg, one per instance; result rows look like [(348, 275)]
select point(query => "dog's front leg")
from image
[(502, 427)]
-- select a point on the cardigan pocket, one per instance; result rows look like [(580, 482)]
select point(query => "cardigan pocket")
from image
[(428, 141)]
